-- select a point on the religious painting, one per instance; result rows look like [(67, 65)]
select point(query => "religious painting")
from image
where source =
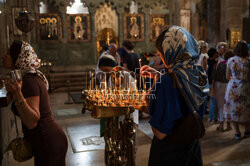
[(235, 37), (157, 24), (49, 28), (133, 27), (15, 14), (185, 19), (78, 27)]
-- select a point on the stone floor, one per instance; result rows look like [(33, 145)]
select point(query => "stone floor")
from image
[(218, 148)]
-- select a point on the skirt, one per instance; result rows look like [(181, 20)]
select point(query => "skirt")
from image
[(162, 154)]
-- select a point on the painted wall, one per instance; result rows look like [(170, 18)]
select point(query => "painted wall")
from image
[(64, 53)]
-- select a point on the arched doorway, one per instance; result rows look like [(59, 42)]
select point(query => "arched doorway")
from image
[(105, 37)]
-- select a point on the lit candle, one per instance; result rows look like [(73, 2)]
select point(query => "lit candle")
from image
[(105, 83), (143, 83), (92, 80), (136, 90), (96, 89), (140, 75)]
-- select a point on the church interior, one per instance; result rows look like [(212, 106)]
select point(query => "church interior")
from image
[(70, 38)]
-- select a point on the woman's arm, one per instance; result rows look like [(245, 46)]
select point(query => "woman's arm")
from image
[(158, 134), (149, 72), (157, 64), (28, 109), (204, 64)]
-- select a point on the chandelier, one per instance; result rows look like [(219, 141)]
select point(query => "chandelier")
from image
[(24, 22)]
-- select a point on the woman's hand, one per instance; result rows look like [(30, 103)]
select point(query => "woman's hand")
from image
[(149, 72), (14, 88)]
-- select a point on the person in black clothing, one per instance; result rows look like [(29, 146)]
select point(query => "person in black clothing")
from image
[(213, 55), (213, 108), (130, 59)]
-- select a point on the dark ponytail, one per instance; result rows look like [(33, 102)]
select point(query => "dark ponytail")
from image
[(15, 50)]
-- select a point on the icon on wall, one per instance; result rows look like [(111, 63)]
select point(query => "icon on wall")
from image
[(78, 27), (157, 24), (133, 27), (49, 27), (235, 37)]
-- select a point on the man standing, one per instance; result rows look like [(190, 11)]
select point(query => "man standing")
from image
[(112, 50), (130, 59)]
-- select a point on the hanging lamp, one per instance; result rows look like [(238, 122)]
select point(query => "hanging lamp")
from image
[(25, 22)]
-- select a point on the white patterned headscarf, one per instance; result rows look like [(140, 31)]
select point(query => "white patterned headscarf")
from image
[(28, 62), (179, 49)]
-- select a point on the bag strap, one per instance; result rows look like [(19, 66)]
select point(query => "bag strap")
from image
[(17, 133), (177, 84)]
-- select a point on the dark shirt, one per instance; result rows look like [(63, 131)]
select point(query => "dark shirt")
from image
[(123, 53), (48, 141), (211, 63), (219, 74), (132, 60)]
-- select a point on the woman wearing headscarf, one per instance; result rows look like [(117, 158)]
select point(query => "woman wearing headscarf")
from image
[(31, 104), (181, 90)]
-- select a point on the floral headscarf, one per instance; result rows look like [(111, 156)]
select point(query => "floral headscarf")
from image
[(28, 62), (179, 49)]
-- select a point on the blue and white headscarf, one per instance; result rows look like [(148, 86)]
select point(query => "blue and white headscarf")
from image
[(179, 49)]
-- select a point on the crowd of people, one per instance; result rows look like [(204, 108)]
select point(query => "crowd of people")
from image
[(228, 74), (196, 78)]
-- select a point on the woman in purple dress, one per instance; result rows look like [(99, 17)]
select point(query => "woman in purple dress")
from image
[(31, 104)]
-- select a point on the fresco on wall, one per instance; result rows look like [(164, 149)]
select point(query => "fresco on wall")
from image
[(157, 24), (106, 17), (49, 27), (78, 27), (133, 27), (235, 37)]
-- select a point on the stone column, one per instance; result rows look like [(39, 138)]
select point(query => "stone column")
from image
[(171, 12), (34, 12), (245, 8), (62, 14), (211, 21), (120, 12), (223, 20), (64, 27), (234, 19), (92, 11), (194, 29), (146, 28), (176, 13)]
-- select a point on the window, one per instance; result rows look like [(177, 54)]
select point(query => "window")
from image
[(77, 8), (43, 8), (133, 9)]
